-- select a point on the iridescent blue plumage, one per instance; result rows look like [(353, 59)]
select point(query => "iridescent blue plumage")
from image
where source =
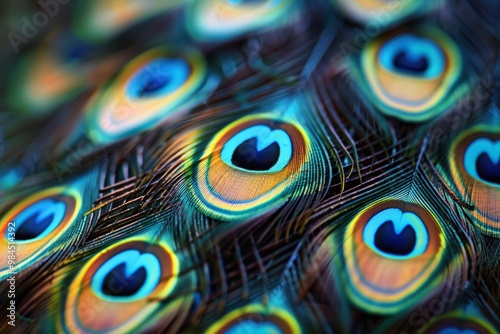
[(250, 166)]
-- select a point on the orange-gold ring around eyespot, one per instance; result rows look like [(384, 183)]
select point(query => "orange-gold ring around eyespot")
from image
[(485, 196), (84, 309), (382, 284), (28, 251), (226, 192)]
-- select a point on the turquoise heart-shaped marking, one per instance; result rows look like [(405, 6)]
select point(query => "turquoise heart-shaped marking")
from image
[(39, 212), (400, 220), (414, 47), (265, 137), (133, 261), (475, 150), (454, 330), (253, 327)]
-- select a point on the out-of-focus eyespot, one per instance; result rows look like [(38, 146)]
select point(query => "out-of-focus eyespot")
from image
[(152, 88), (392, 250), (474, 160), (216, 20), (249, 166), (412, 75), (381, 12), (458, 322), (48, 76), (101, 20), (256, 319), (36, 225), (128, 282)]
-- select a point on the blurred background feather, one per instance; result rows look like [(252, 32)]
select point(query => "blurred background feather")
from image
[(238, 166)]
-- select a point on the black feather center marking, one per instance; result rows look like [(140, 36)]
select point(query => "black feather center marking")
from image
[(388, 241)]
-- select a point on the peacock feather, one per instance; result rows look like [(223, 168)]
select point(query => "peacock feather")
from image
[(250, 166)]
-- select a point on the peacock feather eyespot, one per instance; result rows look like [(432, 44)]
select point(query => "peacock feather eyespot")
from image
[(474, 161), (37, 224), (48, 76), (459, 321), (151, 88), (411, 75), (381, 12), (392, 250), (129, 280), (103, 20), (256, 318), (249, 166), (218, 20)]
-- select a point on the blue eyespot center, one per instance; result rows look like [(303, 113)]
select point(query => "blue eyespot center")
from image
[(409, 62), (250, 326), (247, 2), (487, 169), (153, 84), (72, 48), (455, 330), (248, 157), (389, 241), (127, 276), (412, 55), (258, 149), (78, 51), (33, 226), (158, 78), (396, 234), (482, 160), (118, 283), (39, 219)]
